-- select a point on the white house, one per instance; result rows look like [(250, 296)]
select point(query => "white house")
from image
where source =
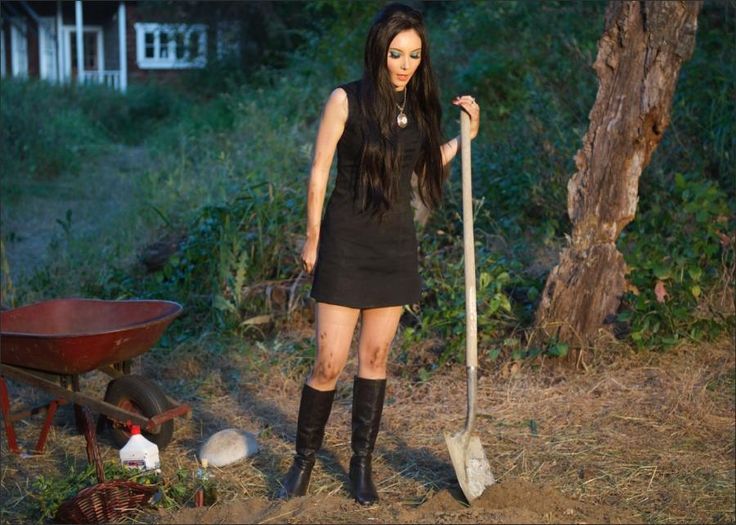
[(105, 42)]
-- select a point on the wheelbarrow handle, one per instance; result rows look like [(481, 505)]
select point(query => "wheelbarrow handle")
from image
[(93, 449)]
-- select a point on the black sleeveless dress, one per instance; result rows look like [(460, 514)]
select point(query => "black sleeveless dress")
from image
[(364, 262)]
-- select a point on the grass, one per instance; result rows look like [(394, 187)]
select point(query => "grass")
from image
[(637, 436)]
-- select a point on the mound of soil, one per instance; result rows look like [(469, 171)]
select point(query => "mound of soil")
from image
[(512, 501)]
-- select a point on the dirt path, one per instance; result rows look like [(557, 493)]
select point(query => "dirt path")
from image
[(99, 193)]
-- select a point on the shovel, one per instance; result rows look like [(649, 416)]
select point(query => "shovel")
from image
[(466, 452)]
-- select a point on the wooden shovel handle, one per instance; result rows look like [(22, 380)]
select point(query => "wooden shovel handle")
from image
[(471, 317)]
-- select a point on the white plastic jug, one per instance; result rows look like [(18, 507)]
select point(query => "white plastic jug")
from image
[(139, 453)]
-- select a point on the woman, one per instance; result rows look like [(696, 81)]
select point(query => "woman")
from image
[(384, 127)]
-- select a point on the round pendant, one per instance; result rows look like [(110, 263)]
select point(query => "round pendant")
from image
[(402, 120)]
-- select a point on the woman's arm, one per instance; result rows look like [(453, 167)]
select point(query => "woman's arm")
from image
[(331, 126), (451, 147), (449, 150)]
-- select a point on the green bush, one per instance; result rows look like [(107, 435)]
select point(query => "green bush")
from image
[(49, 129), (681, 242), (42, 135)]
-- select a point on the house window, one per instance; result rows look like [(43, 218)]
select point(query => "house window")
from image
[(228, 39), (90, 50), (171, 46), (150, 49)]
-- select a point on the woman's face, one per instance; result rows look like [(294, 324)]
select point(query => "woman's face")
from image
[(404, 56)]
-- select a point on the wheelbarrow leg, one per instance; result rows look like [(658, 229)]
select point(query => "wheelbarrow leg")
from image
[(5, 407), (41, 443), (78, 416)]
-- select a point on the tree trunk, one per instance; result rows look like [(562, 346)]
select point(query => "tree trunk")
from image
[(644, 43)]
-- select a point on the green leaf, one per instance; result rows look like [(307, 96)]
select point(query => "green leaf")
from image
[(494, 305), (558, 350), (669, 341), (695, 290), (504, 302), (695, 273), (662, 273), (484, 280), (222, 304)]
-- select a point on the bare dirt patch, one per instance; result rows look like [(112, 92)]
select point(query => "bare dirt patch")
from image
[(514, 501)]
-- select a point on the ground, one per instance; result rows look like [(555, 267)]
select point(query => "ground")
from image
[(643, 437), (621, 437)]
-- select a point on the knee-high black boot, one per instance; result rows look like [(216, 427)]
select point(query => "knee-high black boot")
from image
[(368, 397), (314, 410)]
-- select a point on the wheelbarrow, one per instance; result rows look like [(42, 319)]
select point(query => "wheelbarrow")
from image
[(50, 344)]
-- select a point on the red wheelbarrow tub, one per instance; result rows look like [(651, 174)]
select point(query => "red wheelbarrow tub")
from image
[(74, 336)]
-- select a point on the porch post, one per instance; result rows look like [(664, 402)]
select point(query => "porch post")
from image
[(122, 44), (2, 53), (80, 42), (59, 49)]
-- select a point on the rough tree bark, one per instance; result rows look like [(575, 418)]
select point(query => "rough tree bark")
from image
[(644, 43)]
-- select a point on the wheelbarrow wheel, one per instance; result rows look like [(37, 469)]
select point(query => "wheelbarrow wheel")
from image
[(138, 394)]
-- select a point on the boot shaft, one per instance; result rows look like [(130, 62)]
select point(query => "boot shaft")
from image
[(314, 411), (368, 397)]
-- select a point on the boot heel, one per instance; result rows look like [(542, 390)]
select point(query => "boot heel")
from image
[(361, 481), (296, 481)]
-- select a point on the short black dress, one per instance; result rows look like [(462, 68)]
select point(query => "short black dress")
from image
[(364, 261)]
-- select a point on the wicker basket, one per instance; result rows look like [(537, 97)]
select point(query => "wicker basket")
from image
[(107, 501)]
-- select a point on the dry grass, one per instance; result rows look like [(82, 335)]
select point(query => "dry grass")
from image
[(649, 435)]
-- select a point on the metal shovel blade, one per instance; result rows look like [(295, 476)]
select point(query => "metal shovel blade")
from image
[(471, 465)]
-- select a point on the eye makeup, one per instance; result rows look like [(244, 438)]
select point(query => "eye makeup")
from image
[(392, 53)]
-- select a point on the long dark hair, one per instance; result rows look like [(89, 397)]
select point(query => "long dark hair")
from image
[(380, 161)]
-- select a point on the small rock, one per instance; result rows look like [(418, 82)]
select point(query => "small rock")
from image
[(228, 446)]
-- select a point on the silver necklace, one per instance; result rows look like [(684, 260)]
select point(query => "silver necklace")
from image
[(401, 118)]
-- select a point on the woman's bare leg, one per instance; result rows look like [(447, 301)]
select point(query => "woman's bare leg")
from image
[(335, 326), (334, 332), (377, 331)]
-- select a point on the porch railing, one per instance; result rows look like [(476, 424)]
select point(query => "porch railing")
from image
[(106, 78)]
